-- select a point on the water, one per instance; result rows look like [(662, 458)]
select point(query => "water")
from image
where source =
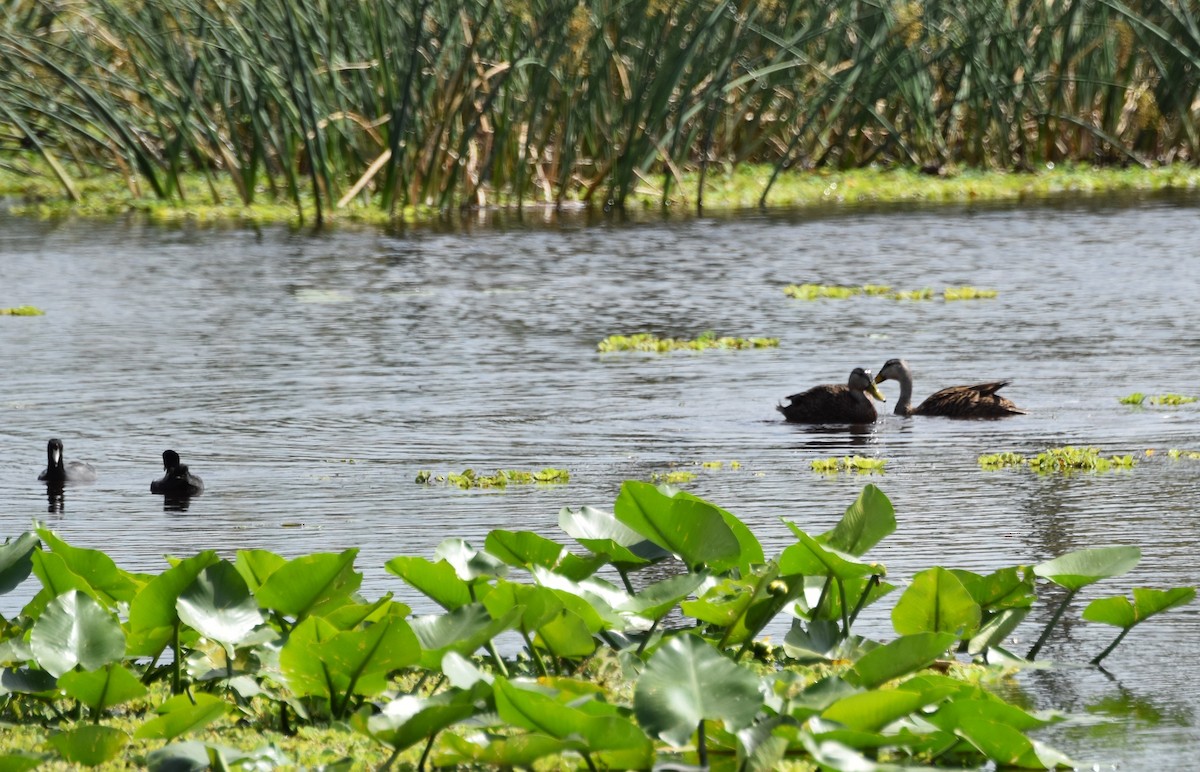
[(309, 378)]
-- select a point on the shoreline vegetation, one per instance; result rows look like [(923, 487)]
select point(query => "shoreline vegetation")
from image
[(34, 195), (400, 111)]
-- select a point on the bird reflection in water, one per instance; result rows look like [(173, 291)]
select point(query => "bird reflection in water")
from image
[(176, 503), (54, 497)]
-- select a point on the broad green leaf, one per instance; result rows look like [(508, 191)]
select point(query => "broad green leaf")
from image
[(1078, 569), (809, 558), (819, 641), (936, 602), (103, 688), (76, 630), (182, 714), (1005, 746), (742, 606), (504, 751), (438, 581), (15, 561), (20, 761), (566, 634), (690, 528), (470, 564), (544, 714), (352, 615), (256, 566), (96, 568), (218, 605), (867, 521), (872, 711), (537, 604), (899, 657), (751, 551), (593, 599), (306, 675), (27, 681), (1147, 602), (305, 584), (950, 715), (687, 680), (603, 534), (358, 661), (89, 745), (462, 631), (523, 549), (56, 578), (1011, 587), (195, 755), (152, 614), (408, 719), (996, 629), (657, 600)]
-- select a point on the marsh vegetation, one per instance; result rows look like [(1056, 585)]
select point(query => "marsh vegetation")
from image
[(397, 106)]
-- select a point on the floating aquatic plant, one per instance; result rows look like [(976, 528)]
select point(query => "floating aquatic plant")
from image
[(967, 293), (1175, 454), (918, 294), (501, 479), (708, 339), (815, 291), (1000, 460), (1065, 459), (818, 291), (672, 478), (856, 464), (22, 311), (1138, 398)]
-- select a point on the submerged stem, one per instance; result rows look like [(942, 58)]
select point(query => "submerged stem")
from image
[(1111, 646), (1050, 625)]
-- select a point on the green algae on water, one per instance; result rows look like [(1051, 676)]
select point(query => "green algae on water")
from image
[(469, 478), (1063, 460), (707, 340), (22, 311), (855, 464)]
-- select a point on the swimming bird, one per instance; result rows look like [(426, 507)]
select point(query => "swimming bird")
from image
[(178, 482), (977, 401), (835, 403), (58, 472)]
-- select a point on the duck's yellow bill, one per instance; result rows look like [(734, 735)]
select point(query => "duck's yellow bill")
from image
[(876, 393)]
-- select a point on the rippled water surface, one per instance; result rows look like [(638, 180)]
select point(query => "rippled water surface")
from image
[(308, 378)]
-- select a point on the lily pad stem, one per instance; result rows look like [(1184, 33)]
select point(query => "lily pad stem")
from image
[(1096, 659), (176, 679), (701, 746), (537, 658), (649, 634), (1050, 626), (872, 583)]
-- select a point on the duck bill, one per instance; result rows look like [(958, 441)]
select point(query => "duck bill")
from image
[(876, 393)]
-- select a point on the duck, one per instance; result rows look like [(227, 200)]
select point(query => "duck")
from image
[(57, 471), (835, 403), (976, 401), (178, 482)]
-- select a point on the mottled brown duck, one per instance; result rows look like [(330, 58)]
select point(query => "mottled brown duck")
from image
[(835, 403), (977, 401)]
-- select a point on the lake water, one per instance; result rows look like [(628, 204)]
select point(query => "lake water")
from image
[(308, 378)]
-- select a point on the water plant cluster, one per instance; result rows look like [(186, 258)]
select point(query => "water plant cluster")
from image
[(819, 291), (708, 339), (1138, 398), (22, 311), (469, 478), (400, 105), (857, 464), (1175, 454), (1066, 459), (638, 645)]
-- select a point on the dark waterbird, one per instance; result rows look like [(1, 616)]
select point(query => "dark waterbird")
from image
[(59, 472), (977, 401), (835, 403), (178, 482)]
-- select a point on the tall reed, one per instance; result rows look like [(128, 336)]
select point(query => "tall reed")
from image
[(396, 103)]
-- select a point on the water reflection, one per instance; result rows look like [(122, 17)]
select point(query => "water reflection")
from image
[(55, 497), (474, 346), (176, 503)]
